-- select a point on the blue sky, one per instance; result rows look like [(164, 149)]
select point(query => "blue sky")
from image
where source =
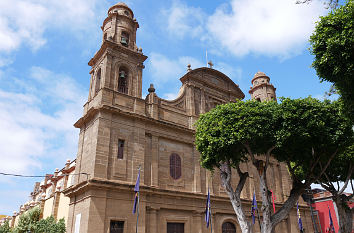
[(45, 46)]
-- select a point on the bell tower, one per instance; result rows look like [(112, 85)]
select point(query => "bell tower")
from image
[(261, 89), (118, 64)]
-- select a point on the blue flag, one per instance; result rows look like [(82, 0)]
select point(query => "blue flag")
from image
[(254, 208), (299, 221), (207, 210), (136, 190), (331, 226)]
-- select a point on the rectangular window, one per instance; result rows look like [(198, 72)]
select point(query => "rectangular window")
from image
[(120, 148), (175, 227), (116, 226)]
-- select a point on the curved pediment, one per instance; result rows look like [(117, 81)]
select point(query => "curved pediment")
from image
[(213, 79)]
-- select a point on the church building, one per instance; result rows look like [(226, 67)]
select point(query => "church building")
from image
[(121, 133)]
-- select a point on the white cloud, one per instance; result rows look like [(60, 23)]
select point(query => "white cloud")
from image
[(273, 27), (166, 72), (37, 123), (164, 69), (183, 20), (25, 21)]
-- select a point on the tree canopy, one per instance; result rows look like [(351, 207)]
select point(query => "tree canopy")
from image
[(297, 132), (31, 222), (332, 43)]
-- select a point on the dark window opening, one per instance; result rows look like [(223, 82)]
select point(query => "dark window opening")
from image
[(124, 39), (228, 227), (116, 226), (258, 99), (105, 36), (120, 149), (123, 81), (175, 166), (126, 13), (175, 227), (98, 81)]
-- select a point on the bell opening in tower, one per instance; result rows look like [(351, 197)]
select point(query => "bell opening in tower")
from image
[(122, 80)]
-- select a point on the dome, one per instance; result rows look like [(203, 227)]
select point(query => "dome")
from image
[(121, 5), (258, 75)]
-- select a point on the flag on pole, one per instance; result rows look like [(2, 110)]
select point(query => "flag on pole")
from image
[(207, 210), (136, 190), (273, 199), (299, 221), (254, 207), (331, 226)]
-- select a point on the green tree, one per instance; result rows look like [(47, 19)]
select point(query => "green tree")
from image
[(49, 225), (340, 169), (294, 132), (28, 221), (332, 44), (31, 222), (5, 228)]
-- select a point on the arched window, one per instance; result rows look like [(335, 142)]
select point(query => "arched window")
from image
[(123, 80), (124, 39), (228, 227), (98, 81), (175, 166)]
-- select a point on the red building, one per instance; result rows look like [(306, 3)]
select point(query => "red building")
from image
[(321, 202)]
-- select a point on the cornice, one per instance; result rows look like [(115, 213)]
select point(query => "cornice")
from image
[(115, 46)]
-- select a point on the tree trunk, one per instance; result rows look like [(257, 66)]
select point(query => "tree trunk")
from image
[(225, 174), (283, 212), (345, 215), (266, 204)]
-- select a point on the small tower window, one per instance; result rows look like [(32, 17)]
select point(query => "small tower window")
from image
[(175, 166), (126, 13), (98, 81), (105, 36), (258, 99), (120, 149), (124, 39), (123, 81)]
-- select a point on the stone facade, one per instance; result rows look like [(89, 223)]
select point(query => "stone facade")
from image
[(120, 132), (48, 195)]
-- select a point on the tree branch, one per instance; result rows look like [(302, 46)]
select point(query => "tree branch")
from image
[(250, 152), (267, 158), (349, 175), (309, 181), (243, 177)]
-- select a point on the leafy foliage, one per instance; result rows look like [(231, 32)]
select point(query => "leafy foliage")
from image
[(30, 222), (311, 130), (49, 225), (332, 44), (223, 133), (306, 134), (5, 228)]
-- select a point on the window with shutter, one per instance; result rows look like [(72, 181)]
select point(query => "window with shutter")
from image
[(120, 149), (175, 166), (116, 226), (228, 227)]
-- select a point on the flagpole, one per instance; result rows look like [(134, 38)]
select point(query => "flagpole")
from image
[(211, 221), (137, 214)]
